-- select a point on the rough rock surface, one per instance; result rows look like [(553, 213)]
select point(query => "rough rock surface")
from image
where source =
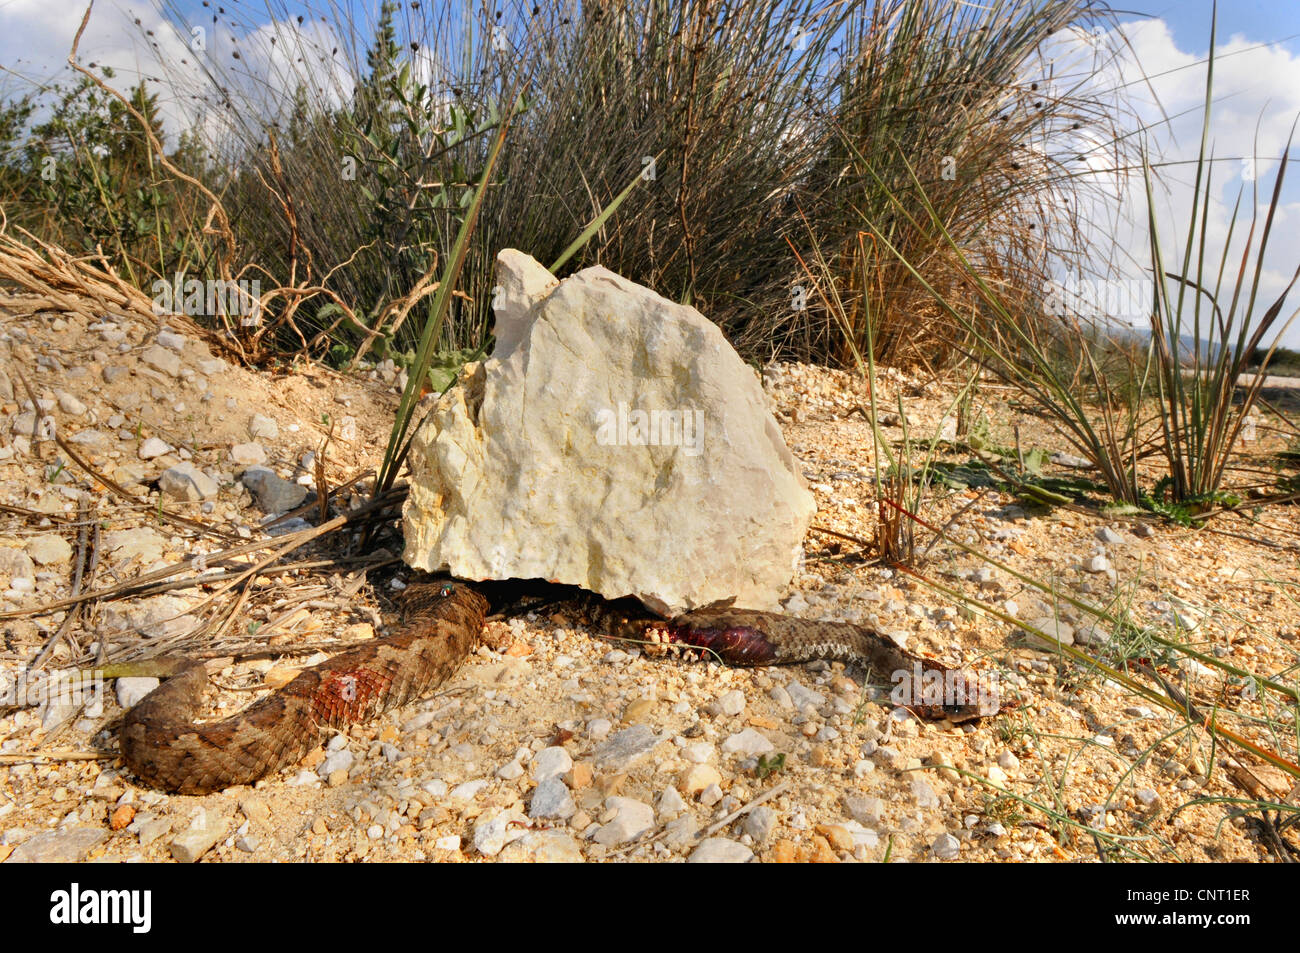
[(621, 445)]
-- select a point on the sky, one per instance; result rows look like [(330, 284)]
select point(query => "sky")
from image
[(1257, 95)]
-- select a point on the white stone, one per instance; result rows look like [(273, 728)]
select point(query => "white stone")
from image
[(720, 850), (131, 689), (153, 447), (161, 359), (248, 454), (49, 549), (538, 467), (632, 818), (263, 426), (551, 763), (70, 405), (747, 744)]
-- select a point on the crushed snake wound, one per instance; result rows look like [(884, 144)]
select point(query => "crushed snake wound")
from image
[(441, 623)]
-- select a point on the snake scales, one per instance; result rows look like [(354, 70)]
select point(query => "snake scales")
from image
[(441, 623)]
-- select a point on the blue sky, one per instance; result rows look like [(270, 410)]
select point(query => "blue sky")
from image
[(1267, 21)]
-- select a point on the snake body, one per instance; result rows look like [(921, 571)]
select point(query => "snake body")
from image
[(441, 623), (163, 747)]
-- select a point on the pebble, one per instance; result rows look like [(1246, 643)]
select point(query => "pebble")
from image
[(248, 454), (631, 819), (1109, 536), (699, 752), (1052, 627), (188, 483), (1096, 564), (748, 743), (720, 850), (340, 760), (670, 804), (759, 822), (801, 697), (161, 359), (946, 847), (170, 339), (467, 791), (731, 703), (552, 800), (131, 689), (923, 795), (200, 837), (272, 493), (59, 847), (544, 847), (492, 833), (551, 763), (625, 749), (153, 447), (264, 427), (70, 405), (49, 549)]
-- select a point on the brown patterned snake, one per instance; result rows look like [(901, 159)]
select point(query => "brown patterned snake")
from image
[(441, 623)]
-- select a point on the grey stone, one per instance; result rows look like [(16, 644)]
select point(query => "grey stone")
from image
[(273, 494), (552, 800), (802, 696), (1096, 564), (759, 823), (626, 748), (59, 847), (171, 340), (70, 405), (922, 794), (865, 810), (720, 850), (112, 374), (1054, 627), (946, 847), (340, 760), (1109, 536), (187, 482)]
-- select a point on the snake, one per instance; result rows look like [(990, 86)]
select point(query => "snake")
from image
[(441, 622)]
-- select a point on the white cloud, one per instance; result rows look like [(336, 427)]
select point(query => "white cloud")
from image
[(1256, 97)]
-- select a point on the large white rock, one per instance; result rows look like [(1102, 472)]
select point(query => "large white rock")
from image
[(616, 442)]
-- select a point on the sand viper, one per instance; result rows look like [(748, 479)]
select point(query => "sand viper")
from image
[(440, 624)]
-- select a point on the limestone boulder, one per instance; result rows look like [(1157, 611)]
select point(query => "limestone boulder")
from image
[(616, 442)]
